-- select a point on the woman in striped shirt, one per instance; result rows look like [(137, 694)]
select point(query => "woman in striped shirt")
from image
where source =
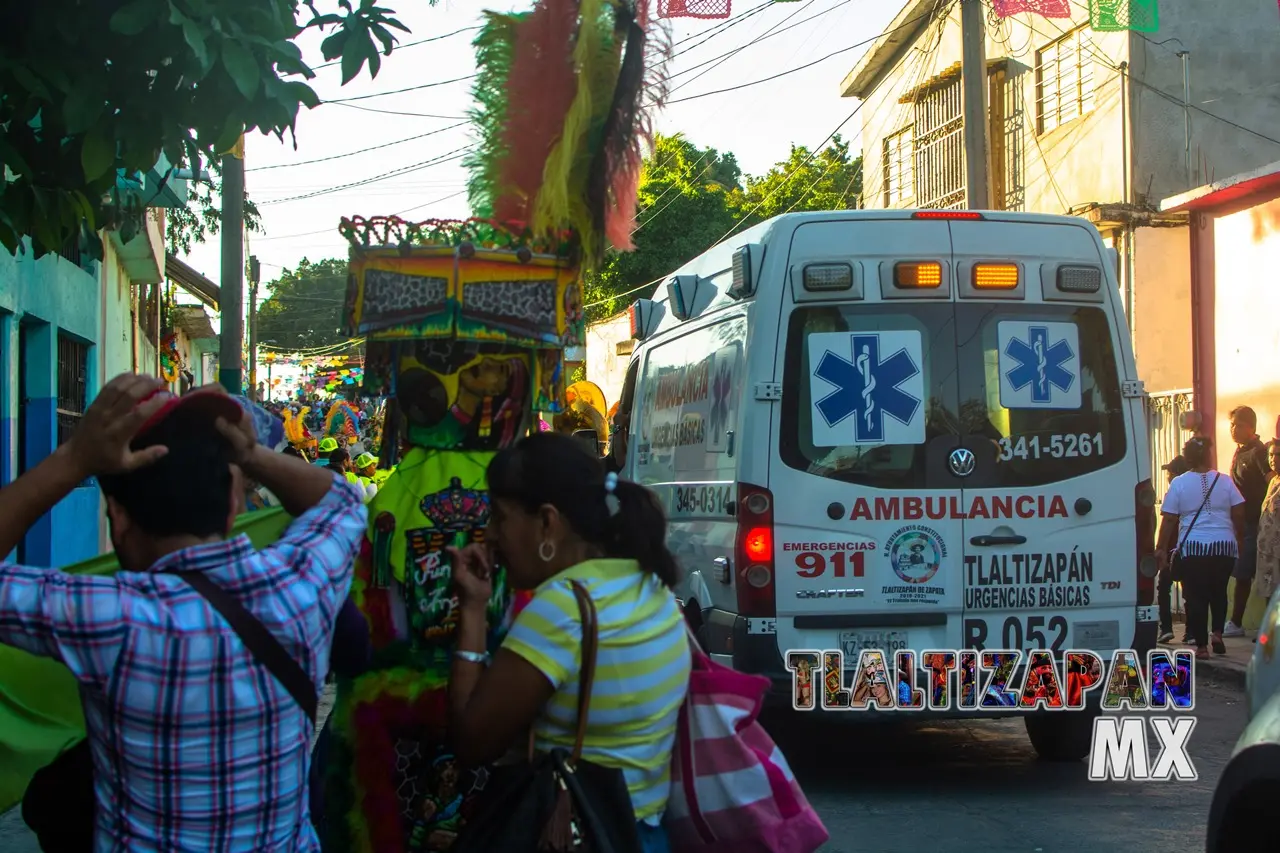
[(557, 518)]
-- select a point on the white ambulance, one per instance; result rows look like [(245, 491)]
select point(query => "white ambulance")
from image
[(900, 430)]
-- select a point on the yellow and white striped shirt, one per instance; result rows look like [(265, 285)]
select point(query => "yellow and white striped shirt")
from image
[(642, 672)]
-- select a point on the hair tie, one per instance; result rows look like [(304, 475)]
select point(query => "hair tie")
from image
[(611, 499)]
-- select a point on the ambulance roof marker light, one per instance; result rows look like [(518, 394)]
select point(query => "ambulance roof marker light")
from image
[(639, 315), (746, 269), (681, 291), (946, 214)]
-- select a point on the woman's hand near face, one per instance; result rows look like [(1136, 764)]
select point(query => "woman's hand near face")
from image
[(472, 576)]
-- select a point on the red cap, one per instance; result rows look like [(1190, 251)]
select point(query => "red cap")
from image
[(200, 406)]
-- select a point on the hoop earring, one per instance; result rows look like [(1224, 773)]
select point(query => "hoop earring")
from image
[(547, 551)]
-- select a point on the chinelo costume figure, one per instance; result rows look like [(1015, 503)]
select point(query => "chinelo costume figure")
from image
[(466, 327)]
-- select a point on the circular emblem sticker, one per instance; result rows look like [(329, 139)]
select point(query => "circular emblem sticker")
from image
[(915, 553)]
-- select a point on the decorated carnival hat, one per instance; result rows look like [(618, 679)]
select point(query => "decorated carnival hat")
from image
[(328, 444), (205, 405)]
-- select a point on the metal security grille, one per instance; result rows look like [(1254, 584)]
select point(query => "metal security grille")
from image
[(73, 364), (939, 166), (899, 174), (1065, 87)]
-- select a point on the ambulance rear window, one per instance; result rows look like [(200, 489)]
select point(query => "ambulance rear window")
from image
[(1042, 382), (876, 394)]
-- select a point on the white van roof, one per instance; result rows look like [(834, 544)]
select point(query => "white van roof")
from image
[(714, 266)]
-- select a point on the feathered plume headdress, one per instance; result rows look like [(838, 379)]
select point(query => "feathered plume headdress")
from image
[(564, 98)]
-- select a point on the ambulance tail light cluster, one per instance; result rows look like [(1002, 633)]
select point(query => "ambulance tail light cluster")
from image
[(1144, 528), (988, 276), (1075, 279), (753, 552), (917, 275)]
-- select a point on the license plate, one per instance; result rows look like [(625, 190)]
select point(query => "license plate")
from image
[(854, 642)]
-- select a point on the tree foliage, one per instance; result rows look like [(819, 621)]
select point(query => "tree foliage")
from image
[(684, 208), (304, 310), (831, 180), (90, 89), (691, 198)]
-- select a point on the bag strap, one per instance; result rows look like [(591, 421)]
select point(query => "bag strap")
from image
[(1196, 517), (265, 648), (587, 674)]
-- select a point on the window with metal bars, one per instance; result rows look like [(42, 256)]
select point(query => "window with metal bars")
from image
[(939, 148), (73, 385), (1065, 88), (899, 171)]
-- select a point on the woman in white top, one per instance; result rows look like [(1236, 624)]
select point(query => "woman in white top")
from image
[(1201, 529)]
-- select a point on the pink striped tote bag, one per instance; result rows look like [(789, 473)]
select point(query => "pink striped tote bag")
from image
[(731, 788)]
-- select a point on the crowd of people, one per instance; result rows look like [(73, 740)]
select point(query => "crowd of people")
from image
[(201, 660), (1215, 527)]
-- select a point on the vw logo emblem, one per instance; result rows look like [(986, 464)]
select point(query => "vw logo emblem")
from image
[(962, 462)]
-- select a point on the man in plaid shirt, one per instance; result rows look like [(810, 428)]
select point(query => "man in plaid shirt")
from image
[(196, 746)]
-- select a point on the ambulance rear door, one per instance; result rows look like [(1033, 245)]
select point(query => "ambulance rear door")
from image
[(868, 528)]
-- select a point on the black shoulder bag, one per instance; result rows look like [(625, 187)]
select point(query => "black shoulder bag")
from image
[(1175, 570), (58, 806), (557, 802)]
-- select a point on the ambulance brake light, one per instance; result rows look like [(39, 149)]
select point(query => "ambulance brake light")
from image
[(946, 214), (995, 276), (918, 274), (753, 552)]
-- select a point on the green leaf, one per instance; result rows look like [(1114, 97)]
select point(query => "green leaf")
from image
[(133, 19), (242, 67), (371, 53), (304, 94), (175, 15), (353, 56), (195, 40), (332, 47), (98, 152), (29, 81), (82, 108)]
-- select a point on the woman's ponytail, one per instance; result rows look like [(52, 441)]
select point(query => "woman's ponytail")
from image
[(639, 530)]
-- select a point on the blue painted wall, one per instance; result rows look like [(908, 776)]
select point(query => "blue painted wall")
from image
[(40, 301)]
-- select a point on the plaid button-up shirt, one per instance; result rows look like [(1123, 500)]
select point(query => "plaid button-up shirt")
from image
[(196, 747)]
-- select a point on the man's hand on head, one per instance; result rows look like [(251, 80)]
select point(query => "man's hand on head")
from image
[(101, 443)]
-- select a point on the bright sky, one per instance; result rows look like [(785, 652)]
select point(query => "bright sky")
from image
[(757, 123)]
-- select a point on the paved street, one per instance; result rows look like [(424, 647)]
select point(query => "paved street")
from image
[(977, 788)]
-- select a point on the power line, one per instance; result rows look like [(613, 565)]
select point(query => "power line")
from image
[(354, 153), (392, 112), (767, 35), (801, 67), (725, 57), (395, 173), (400, 91), (410, 44)]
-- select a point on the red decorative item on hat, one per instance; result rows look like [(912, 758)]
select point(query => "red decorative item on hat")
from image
[(1043, 8), (706, 9)]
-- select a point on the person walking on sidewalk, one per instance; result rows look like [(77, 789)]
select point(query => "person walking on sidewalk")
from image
[(1164, 590), (1201, 529), (1250, 473), (1267, 576)]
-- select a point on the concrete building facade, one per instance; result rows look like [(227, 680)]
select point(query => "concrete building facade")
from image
[(1097, 124)]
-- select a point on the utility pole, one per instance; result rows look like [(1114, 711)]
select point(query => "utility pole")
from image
[(973, 32), (255, 270), (232, 337)]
